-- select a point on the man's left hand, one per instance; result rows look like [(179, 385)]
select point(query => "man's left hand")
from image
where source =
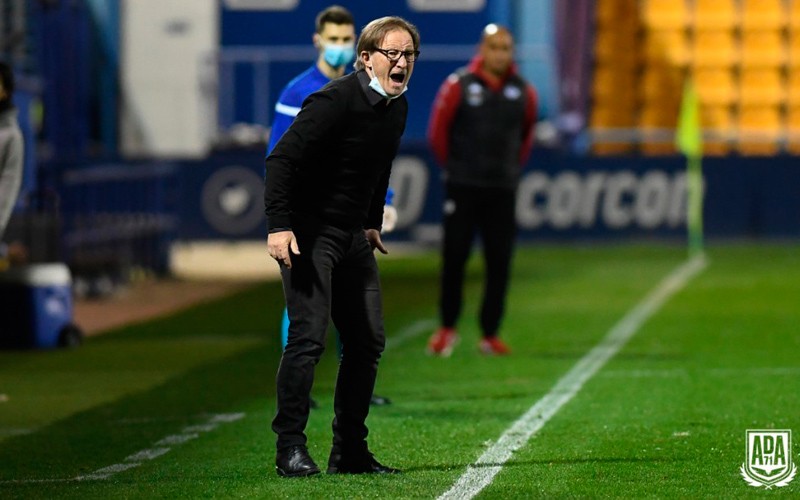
[(374, 238)]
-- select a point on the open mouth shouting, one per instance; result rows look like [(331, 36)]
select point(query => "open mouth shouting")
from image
[(398, 80)]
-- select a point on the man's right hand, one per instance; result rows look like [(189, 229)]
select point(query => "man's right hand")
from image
[(281, 245)]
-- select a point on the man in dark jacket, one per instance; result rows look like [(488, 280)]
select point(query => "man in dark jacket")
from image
[(324, 194), (481, 132)]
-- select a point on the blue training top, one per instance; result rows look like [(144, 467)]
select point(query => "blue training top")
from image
[(291, 100)]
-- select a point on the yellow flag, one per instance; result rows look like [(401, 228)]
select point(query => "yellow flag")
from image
[(689, 135)]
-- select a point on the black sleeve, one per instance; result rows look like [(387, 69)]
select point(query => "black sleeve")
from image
[(319, 115)]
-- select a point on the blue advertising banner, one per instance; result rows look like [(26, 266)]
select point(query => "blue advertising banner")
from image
[(561, 198)]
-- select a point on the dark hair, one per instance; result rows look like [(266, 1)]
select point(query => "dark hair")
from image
[(335, 14), (7, 77), (373, 34)]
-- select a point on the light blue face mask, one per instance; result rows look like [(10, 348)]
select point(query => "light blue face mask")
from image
[(338, 55), (375, 85)]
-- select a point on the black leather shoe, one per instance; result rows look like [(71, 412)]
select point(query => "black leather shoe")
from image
[(295, 461), (363, 463)]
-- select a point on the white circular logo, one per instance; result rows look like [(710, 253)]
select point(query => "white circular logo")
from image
[(231, 200)]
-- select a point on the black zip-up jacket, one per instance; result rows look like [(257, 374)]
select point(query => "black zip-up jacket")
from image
[(332, 165)]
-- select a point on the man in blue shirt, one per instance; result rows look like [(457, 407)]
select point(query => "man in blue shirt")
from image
[(334, 40)]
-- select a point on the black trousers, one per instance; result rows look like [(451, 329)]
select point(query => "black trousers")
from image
[(335, 276), (490, 212)]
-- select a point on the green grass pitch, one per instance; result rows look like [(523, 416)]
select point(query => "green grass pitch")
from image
[(180, 407)]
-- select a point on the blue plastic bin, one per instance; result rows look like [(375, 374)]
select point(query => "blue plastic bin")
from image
[(36, 307)]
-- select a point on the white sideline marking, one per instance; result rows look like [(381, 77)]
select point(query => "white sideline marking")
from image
[(136, 459), (482, 472), (410, 332), (187, 434)]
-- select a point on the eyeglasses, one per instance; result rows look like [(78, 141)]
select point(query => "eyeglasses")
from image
[(394, 55)]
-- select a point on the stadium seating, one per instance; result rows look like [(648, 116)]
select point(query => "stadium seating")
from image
[(794, 49), (665, 14), (616, 48), (762, 15), (793, 129), (793, 89), (759, 130), (743, 55), (717, 48), (605, 119), (665, 46), (794, 14), (718, 127), (612, 86), (657, 121), (716, 86), (659, 82), (762, 87), (715, 14), (763, 48)]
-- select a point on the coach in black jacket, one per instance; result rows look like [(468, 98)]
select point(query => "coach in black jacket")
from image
[(324, 193)]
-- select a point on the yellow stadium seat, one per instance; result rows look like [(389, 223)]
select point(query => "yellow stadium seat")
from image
[(659, 114), (605, 117), (759, 130), (657, 121), (763, 48), (793, 89), (660, 82), (718, 129), (616, 47), (794, 15), (793, 129), (715, 49), (616, 12), (763, 14), (666, 47), (611, 84), (794, 50), (604, 122), (715, 86), (761, 87), (715, 14), (664, 14)]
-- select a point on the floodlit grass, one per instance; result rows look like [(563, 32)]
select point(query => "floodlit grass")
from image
[(666, 417)]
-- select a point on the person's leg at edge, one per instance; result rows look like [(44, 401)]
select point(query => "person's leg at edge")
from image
[(498, 232), (307, 287), (459, 232), (358, 316)]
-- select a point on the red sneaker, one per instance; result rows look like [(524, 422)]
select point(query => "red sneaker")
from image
[(442, 342), (493, 346)]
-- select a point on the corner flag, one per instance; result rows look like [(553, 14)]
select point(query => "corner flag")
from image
[(689, 141)]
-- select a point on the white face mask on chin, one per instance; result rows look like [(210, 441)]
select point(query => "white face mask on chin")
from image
[(375, 85)]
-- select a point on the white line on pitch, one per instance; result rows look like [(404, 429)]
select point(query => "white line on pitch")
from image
[(161, 447), (410, 332), (136, 459), (482, 472)]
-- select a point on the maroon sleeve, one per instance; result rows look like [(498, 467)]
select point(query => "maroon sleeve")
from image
[(444, 110), (528, 127)]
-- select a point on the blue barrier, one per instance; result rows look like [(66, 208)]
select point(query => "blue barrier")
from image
[(119, 216), (127, 214), (561, 197)]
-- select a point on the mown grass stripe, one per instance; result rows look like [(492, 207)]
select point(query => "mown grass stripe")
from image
[(490, 463)]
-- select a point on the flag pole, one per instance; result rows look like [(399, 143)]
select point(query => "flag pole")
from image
[(689, 141)]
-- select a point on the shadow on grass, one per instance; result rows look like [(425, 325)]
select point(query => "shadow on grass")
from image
[(99, 437)]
